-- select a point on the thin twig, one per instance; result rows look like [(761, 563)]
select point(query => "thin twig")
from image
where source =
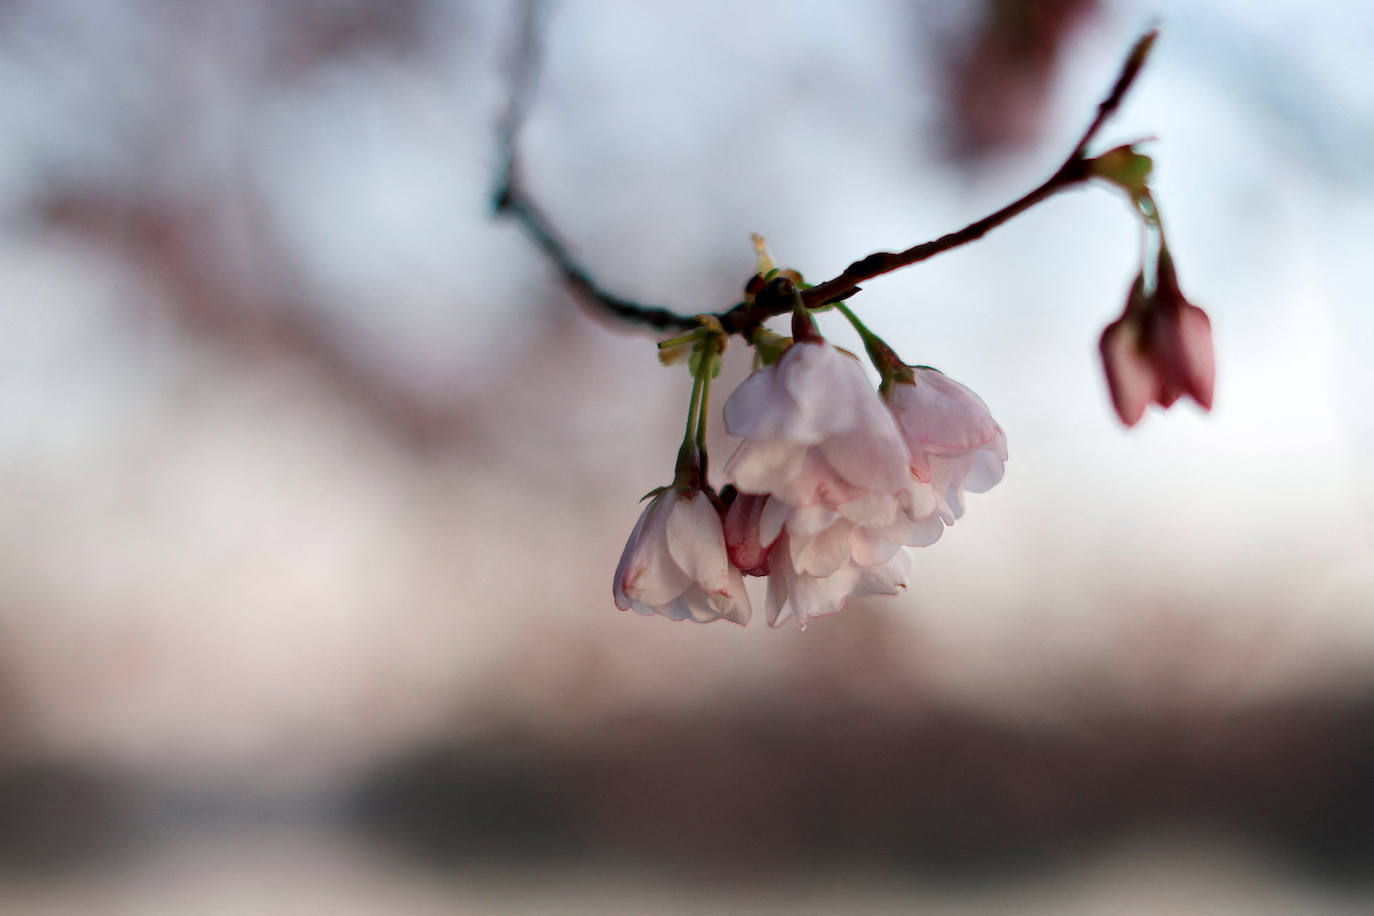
[(511, 199), (1075, 170)]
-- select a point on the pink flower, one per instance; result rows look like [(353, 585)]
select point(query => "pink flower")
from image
[(675, 563), (816, 435), (827, 499), (954, 442), (816, 560), (794, 591), (1159, 349)]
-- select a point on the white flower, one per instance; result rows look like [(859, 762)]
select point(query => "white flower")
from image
[(810, 574), (840, 500), (816, 437), (955, 444), (796, 590), (674, 563)]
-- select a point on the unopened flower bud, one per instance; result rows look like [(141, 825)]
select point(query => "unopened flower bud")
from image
[(1159, 349)]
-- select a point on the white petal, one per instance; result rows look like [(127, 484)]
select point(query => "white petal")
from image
[(697, 542), (887, 579), (948, 481), (822, 382), (647, 573), (918, 500), (987, 471), (809, 521), (824, 553), (755, 408), (817, 597), (872, 509), (775, 514), (733, 604), (627, 556), (924, 531), (765, 465), (872, 457), (780, 585), (814, 481), (938, 415), (677, 609), (868, 548)]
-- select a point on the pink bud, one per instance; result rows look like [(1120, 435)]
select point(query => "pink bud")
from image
[(743, 542), (1159, 349), (1179, 334)]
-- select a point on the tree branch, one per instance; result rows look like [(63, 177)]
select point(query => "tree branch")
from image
[(1075, 170), (511, 199)]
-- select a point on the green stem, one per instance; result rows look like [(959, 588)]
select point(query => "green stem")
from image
[(853, 319), (884, 358), (687, 469), (704, 410)]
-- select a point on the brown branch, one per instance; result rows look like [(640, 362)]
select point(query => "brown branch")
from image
[(512, 200), (1075, 170)]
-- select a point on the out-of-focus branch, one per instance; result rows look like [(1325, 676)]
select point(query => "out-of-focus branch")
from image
[(165, 241), (511, 198), (514, 200)]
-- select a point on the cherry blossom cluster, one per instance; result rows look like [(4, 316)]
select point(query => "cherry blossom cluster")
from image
[(831, 478), (830, 481)]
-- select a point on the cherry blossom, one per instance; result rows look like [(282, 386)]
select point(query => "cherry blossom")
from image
[(827, 498), (955, 444), (817, 437), (675, 563), (803, 585)]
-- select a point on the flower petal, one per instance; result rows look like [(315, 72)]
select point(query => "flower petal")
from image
[(1198, 357), (759, 464), (775, 514), (824, 384), (873, 457), (779, 587), (754, 409), (1131, 377), (647, 572), (987, 471), (939, 415), (823, 554), (887, 579), (696, 541), (817, 597), (868, 548), (733, 605)]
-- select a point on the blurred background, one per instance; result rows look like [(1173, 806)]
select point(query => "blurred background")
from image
[(315, 477)]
